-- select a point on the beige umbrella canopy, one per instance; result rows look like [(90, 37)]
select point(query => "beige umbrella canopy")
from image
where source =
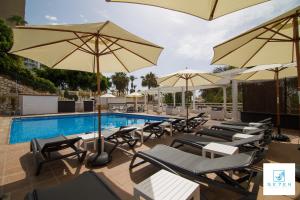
[(205, 9), (135, 94), (186, 78), (107, 96), (276, 41), (270, 72), (76, 47), (96, 47)]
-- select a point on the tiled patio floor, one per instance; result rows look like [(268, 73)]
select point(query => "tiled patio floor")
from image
[(17, 178)]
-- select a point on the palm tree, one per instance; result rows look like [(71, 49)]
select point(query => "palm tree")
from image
[(149, 80), (17, 20), (120, 80), (132, 78)]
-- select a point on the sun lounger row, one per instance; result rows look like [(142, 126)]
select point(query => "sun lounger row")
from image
[(198, 167)]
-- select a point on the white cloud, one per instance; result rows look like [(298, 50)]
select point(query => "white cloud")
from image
[(83, 18), (51, 18), (198, 46), (103, 13)]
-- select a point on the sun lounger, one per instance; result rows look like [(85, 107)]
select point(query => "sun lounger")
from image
[(120, 136), (197, 167), (154, 129), (44, 149), (193, 122), (245, 144), (225, 134), (264, 121), (86, 186), (241, 129), (229, 134)]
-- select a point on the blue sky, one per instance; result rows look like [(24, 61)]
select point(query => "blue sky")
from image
[(188, 41)]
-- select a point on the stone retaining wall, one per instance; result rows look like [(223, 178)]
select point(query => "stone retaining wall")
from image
[(9, 91)]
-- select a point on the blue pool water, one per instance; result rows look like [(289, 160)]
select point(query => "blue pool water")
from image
[(25, 129)]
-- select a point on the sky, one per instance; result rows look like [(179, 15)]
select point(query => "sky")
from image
[(188, 41)]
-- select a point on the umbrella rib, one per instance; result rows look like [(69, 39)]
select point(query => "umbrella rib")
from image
[(49, 43), (192, 82), (250, 76), (166, 79), (242, 44), (176, 81), (80, 48), (255, 29), (211, 16), (127, 40), (107, 48), (115, 55), (102, 27), (109, 52), (92, 50), (51, 29), (265, 43), (131, 51), (283, 35), (275, 40), (66, 56)]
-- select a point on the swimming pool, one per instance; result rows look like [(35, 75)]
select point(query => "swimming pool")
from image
[(25, 129)]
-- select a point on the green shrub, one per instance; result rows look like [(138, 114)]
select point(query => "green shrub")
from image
[(12, 66)]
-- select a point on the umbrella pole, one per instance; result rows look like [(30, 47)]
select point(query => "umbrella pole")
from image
[(100, 158), (277, 101), (279, 137), (187, 106), (297, 51)]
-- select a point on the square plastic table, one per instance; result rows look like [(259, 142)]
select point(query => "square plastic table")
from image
[(219, 149), (165, 185)]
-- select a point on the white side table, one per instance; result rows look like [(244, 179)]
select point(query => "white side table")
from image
[(167, 186), (167, 126), (219, 149), (239, 136), (87, 138), (139, 130)]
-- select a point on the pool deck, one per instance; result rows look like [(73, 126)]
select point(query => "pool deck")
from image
[(17, 178)]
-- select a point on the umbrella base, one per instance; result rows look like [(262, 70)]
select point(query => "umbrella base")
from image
[(98, 159), (281, 138)]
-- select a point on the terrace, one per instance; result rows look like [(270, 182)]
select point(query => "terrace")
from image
[(17, 176)]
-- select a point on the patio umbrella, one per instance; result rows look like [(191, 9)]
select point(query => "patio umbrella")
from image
[(270, 72), (186, 78), (276, 41), (205, 9), (96, 47), (107, 96), (135, 95)]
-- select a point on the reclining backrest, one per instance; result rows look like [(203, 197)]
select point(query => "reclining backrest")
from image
[(59, 145), (267, 120), (250, 140), (125, 130), (150, 125)]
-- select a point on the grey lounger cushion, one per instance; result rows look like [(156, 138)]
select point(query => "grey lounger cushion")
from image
[(87, 186), (198, 165), (200, 141)]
